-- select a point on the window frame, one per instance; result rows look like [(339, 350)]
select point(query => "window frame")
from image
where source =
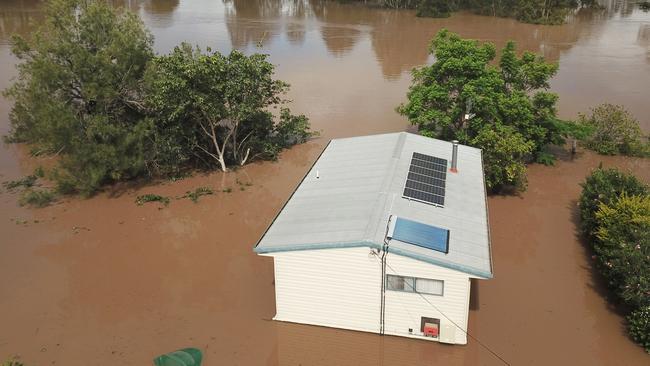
[(415, 285)]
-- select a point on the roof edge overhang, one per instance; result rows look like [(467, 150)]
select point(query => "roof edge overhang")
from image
[(370, 244)]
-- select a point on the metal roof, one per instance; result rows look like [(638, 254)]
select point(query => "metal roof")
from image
[(355, 187)]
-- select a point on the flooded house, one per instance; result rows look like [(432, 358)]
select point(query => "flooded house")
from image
[(384, 234)]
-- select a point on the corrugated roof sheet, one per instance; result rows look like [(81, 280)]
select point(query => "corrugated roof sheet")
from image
[(359, 187)]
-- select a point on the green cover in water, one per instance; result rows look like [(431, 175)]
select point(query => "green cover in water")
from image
[(183, 357)]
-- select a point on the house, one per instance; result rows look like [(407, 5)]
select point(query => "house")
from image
[(383, 235)]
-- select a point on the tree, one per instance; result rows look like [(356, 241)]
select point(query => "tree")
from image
[(77, 91), (218, 106), (503, 152), (613, 131), (462, 83)]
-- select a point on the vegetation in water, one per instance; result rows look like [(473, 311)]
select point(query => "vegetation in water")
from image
[(198, 192), (12, 362), (615, 212), (25, 182), (145, 198), (613, 130), (504, 109), (36, 197), (527, 11), (91, 89)]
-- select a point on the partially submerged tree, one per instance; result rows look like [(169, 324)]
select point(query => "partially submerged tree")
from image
[(613, 130), (221, 105), (78, 91), (90, 89), (463, 95)]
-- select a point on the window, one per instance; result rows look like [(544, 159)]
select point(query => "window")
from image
[(426, 286), (412, 284)]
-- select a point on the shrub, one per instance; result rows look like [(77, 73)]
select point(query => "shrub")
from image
[(195, 194), (12, 362), (141, 200), (623, 247), (613, 131), (602, 187), (639, 323), (26, 182), (36, 198), (504, 151), (615, 212)]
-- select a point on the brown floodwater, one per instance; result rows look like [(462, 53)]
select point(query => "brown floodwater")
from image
[(105, 282)]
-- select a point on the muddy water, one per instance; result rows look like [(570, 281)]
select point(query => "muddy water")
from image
[(105, 282)]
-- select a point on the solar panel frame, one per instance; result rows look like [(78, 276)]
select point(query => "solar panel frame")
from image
[(426, 179)]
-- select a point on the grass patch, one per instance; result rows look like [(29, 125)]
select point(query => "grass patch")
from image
[(226, 190), (145, 198), (197, 193), (36, 198), (26, 182)]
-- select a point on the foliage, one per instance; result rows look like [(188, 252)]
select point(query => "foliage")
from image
[(91, 90), (184, 357), (77, 90), (198, 192), (528, 11), (12, 362), (36, 197), (25, 182), (603, 186), (613, 130), (435, 8), (503, 152), (639, 323), (141, 200), (215, 107), (623, 247), (39, 172), (615, 211), (463, 82)]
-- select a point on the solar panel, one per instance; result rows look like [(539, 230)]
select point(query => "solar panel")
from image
[(422, 235), (426, 179)]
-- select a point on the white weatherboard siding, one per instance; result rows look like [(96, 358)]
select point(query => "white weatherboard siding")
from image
[(404, 310), (331, 287), (341, 288)]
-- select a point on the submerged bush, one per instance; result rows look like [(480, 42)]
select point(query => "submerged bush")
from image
[(613, 130), (603, 186), (26, 182), (37, 198), (141, 200), (12, 362), (639, 321), (197, 193), (615, 212)]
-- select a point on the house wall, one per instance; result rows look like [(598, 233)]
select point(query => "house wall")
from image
[(405, 309), (342, 288), (330, 287)]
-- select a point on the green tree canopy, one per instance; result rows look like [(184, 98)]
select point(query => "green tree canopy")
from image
[(219, 107), (78, 91), (463, 94), (91, 89)]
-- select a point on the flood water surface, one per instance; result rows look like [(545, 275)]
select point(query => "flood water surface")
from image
[(106, 282)]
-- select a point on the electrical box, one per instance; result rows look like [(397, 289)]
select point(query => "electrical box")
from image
[(448, 334)]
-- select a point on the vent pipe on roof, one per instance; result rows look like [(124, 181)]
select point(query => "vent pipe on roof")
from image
[(454, 157)]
